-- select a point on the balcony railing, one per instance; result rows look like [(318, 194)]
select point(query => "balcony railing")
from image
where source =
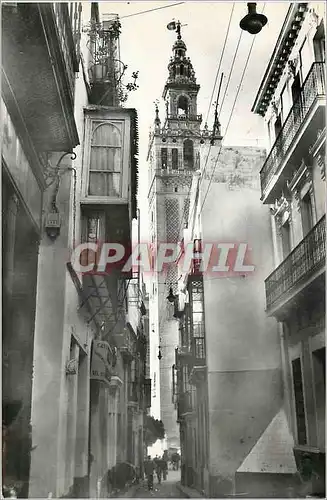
[(313, 87), (185, 117), (301, 263)]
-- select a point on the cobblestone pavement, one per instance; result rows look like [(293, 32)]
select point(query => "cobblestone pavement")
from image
[(167, 489)]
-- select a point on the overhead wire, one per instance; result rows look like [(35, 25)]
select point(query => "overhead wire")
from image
[(234, 103), (220, 61), (224, 97), (151, 10), (211, 99), (230, 118), (228, 81)]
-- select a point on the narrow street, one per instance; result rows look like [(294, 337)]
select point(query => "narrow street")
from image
[(167, 489), (163, 187)]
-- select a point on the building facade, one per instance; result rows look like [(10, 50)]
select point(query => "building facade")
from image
[(292, 101), (74, 360), (173, 159), (249, 370), (228, 364)]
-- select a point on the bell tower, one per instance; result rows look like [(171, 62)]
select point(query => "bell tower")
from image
[(173, 157)]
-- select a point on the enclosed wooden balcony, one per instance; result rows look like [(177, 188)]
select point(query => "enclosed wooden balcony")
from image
[(299, 130), (39, 61), (299, 270)]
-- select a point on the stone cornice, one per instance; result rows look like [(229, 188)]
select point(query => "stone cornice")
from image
[(279, 58)]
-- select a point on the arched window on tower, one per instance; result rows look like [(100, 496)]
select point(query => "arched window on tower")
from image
[(182, 106), (174, 158), (164, 157), (188, 154), (182, 69)]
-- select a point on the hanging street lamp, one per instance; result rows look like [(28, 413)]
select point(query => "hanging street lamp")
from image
[(253, 22)]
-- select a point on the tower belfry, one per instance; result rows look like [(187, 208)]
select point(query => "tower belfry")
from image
[(174, 158)]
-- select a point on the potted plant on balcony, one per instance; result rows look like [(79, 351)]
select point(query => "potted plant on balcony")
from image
[(102, 37)]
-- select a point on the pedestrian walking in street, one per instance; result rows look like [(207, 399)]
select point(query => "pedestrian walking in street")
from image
[(149, 467), (159, 469), (164, 465)]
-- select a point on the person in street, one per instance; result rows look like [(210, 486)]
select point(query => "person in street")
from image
[(149, 468), (159, 469), (178, 459), (164, 466)]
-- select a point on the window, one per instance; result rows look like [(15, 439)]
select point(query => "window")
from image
[(174, 158), (286, 239), (306, 58), (164, 155), (197, 317), (188, 154), (185, 379), (306, 214), (319, 43), (283, 103), (278, 125), (93, 231), (299, 402), (182, 105), (319, 370), (296, 87), (105, 161)]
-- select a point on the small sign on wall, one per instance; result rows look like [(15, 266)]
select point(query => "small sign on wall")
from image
[(101, 363)]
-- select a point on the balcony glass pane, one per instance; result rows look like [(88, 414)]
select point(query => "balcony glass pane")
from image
[(105, 184), (106, 135), (198, 330), (104, 158)]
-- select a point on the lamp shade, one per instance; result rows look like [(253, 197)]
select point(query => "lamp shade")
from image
[(171, 26), (253, 22)]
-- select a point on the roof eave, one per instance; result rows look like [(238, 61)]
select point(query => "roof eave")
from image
[(272, 67)]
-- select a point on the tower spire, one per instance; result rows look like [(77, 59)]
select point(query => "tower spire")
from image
[(157, 121)]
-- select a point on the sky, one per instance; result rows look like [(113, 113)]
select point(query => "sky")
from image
[(146, 46)]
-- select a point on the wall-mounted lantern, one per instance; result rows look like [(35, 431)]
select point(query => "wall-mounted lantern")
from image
[(52, 225)]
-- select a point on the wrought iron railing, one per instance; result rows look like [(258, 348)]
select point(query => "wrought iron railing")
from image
[(170, 171), (313, 87), (185, 117), (69, 34), (300, 264)]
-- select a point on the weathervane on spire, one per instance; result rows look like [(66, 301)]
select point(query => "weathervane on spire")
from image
[(176, 26)]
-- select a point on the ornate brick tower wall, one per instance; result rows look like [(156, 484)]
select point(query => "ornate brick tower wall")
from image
[(173, 159)]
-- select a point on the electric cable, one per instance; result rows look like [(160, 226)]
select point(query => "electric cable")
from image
[(220, 61), (224, 96), (151, 10), (230, 117), (216, 78)]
